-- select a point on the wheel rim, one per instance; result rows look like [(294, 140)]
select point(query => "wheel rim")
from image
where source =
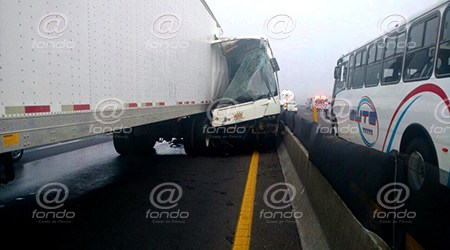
[(416, 170)]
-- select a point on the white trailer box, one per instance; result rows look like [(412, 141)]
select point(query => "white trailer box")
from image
[(141, 69), (70, 69)]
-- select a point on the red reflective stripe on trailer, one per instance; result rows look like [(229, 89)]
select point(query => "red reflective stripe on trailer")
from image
[(180, 103), (203, 102), (186, 102), (79, 107), (193, 102), (132, 105), (148, 104), (161, 104), (37, 109)]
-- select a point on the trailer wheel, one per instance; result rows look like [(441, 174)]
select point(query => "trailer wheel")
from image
[(129, 143), (144, 144), (123, 142), (418, 172)]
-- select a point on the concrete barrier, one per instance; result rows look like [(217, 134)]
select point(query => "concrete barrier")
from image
[(289, 117), (327, 223)]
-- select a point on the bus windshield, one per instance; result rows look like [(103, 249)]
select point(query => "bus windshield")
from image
[(251, 74)]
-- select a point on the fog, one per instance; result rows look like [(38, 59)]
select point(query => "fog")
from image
[(322, 32)]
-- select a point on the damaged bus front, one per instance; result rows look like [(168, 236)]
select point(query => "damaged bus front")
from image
[(249, 90), (247, 106)]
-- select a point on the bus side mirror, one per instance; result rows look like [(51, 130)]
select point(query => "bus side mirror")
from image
[(274, 63), (337, 72)]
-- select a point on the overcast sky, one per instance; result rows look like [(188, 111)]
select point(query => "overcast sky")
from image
[(324, 31)]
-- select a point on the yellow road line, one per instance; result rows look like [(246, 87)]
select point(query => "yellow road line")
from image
[(244, 226), (412, 244), (315, 115)]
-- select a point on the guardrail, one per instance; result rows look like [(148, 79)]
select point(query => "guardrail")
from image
[(353, 189)]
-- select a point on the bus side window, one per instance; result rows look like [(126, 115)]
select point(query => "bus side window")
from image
[(350, 71), (359, 74), (342, 80), (443, 57), (393, 59), (420, 50), (373, 65), (344, 72)]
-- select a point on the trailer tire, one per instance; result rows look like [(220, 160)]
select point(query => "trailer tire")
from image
[(122, 142), (129, 143)]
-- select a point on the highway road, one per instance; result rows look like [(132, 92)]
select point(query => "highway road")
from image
[(83, 195)]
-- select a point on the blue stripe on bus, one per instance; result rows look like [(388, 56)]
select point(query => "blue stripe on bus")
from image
[(398, 123)]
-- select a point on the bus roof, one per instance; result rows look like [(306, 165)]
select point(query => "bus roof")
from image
[(413, 18)]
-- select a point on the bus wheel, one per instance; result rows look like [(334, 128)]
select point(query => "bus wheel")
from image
[(418, 173), (202, 139)]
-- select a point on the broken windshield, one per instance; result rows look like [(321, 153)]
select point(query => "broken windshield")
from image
[(254, 78)]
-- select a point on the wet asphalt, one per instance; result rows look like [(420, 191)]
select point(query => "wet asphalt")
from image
[(109, 203)]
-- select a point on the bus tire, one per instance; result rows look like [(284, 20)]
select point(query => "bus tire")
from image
[(201, 139), (418, 173)]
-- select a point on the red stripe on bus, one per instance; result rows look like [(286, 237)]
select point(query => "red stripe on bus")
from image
[(79, 107), (429, 87), (37, 109)]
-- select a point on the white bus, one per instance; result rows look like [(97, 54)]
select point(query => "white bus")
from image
[(393, 94)]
